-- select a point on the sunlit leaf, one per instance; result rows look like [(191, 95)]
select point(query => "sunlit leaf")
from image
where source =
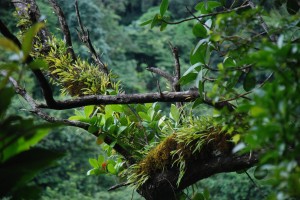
[(93, 162)]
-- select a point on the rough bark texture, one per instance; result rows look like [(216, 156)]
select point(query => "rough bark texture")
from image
[(163, 186)]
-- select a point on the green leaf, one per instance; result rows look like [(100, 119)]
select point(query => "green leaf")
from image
[(207, 6), (38, 64), (163, 7), (198, 196), (146, 22), (229, 62), (155, 21), (197, 102), (9, 45), (88, 110), (249, 82), (175, 113), (144, 116), (93, 162), (101, 159), (198, 54), (28, 38), (121, 129), (188, 78), (163, 26), (199, 30), (111, 169)]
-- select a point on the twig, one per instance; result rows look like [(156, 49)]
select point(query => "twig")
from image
[(85, 38), (207, 15), (64, 27), (262, 23), (118, 186), (249, 92), (161, 73)]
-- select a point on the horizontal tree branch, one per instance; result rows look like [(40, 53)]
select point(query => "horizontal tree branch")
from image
[(186, 96)]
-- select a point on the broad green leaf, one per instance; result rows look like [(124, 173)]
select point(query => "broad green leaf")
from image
[(198, 54), (38, 64), (93, 162), (9, 45), (28, 38), (88, 110), (188, 78), (249, 82), (163, 7), (111, 169), (101, 159), (95, 171), (199, 30)]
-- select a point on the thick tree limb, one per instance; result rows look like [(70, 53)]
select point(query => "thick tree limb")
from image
[(186, 96), (163, 186), (64, 28)]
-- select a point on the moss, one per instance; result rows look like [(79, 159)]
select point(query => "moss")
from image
[(197, 140)]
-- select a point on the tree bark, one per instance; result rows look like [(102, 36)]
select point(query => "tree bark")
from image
[(163, 186)]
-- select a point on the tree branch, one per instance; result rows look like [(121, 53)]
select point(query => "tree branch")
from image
[(64, 28), (186, 96), (163, 185), (161, 73), (207, 15), (85, 38)]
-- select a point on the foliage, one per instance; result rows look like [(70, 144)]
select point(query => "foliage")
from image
[(19, 162), (241, 55)]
